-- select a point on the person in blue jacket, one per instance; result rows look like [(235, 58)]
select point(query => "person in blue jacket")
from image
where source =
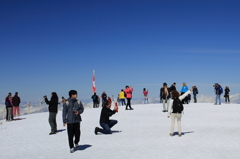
[(218, 91), (183, 90)]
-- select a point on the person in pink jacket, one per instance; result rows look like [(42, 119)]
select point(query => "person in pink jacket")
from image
[(128, 91)]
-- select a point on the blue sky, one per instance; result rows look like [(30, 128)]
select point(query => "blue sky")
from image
[(51, 45)]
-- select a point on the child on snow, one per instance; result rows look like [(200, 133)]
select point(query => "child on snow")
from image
[(72, 109), (174, 113)]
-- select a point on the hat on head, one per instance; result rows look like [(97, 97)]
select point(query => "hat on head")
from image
[(165, 84), (174, 83)]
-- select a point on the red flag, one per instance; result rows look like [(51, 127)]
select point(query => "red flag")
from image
[(93, 82)]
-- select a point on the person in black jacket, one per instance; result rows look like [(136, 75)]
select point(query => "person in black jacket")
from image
[(105, 123), (53, 109), (226, 95), (195, 92), (9, 107), (16, 103), (104, 98), (95, 100), (173, 87), (165, 96)]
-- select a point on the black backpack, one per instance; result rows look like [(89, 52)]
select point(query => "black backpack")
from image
[(94, 97), (177, 106)]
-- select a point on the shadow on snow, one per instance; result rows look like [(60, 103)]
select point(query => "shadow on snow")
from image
[(83, 147), (183, 133)]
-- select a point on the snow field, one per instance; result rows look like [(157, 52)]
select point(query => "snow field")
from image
[(209, 132)]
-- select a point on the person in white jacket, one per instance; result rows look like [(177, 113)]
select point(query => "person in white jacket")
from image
[(176, 115)]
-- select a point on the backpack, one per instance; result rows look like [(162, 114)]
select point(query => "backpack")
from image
[(220, 90), (177, 106), (94, 97)]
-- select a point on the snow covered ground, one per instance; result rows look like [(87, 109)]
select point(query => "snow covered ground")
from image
[(209, 132)]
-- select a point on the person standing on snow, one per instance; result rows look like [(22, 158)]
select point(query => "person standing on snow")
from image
[(122, 97), (9, 107), (226, 95), (104, 98), (72, 109), (16, 103), (128, 92), (218, 91), (95, 100), (53, 110), (145, 94), (195, 92), (105, 123), (174, 112), (183, 90), (165, 96), (173, 87)]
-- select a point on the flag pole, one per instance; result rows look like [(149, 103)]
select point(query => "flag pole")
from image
[(93, 82)]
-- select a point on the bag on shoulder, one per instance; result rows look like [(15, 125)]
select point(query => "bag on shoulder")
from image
[(67, 103), (177, 106)]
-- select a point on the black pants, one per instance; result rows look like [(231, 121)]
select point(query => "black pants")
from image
[(227, 98), (73, 131), (128, 103), (185, 100), (52, 121), (95, 104), (195, 98)]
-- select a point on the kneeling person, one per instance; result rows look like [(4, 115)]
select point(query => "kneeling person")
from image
[(105, 123)]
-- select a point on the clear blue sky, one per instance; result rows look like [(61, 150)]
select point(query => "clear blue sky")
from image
[(51, 45)]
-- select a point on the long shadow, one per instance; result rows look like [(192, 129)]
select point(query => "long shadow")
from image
[(183, 133), (61, 130), (18, 119), (83, 147), (113, 132)]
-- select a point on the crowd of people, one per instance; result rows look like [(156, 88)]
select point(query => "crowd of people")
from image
[(171, 99)]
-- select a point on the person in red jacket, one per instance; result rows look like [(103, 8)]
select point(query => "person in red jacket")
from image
[(128, 91), (145, 94)]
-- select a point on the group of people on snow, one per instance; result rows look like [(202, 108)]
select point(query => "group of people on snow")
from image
[(218, 91), (72, 108), (12, 106)]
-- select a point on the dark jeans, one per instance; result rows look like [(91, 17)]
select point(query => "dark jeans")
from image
[(195, 98), (128, 103), (107, 127), (73, 130), (103, 102), (123, 101), (227, 98), (95, 104), (52, 121), (9, 115)]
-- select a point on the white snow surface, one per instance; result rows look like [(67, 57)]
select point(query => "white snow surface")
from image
[(209, 132)]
